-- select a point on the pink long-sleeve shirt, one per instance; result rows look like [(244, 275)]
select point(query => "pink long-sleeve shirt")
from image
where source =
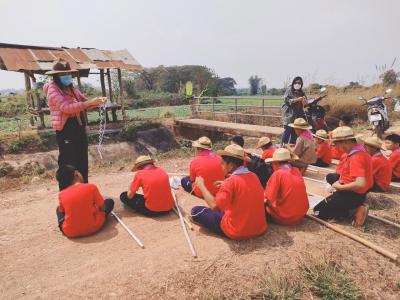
[(63, 105)]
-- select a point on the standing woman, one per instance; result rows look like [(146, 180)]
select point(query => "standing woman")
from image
[(292, 108), (67, 105)]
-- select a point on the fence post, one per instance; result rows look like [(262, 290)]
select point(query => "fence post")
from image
[(213, 109), (263, 112), (236, 110)]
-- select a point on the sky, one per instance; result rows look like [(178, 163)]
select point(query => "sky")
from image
[(329, 42)]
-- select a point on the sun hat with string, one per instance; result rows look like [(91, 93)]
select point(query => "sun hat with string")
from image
[(343, 133), (300, 123), (61, 67), (263, 141), (321, 134), (281, 155), (373, 141), (141, 161), (234, 151), (203, 143)]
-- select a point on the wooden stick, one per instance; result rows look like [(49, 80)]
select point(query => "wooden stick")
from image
[(184, 226), (384, 221), (127, 229), (187, 222), (356, 238)]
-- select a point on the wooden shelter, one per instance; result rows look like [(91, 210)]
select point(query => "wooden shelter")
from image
[(37, 60)]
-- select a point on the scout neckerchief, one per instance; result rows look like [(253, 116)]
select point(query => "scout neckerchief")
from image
[(377, 153), (285, 167), (241, 170), (307, 134), (206, 152)]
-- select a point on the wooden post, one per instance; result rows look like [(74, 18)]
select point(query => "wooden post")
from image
[(113, 110), (236, 110), (103, 90), (28, 96), (78, 78), (263, 111), (213, 108), (121, 94)]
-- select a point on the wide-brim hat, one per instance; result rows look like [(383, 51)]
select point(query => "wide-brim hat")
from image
[(373, 141), (300, 123), (141, 161), (234, 151), (343, 133), (281, 155), (61, 67), (263, 141), (321, 134), (203, 143)]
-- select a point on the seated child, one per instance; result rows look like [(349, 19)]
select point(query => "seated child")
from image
[(237, 210), (392, 143), (207, 165), (265, 144), (381, 168), (238, 140), (324, 157), (82, 210), (352, 185), (285, 194), (344, 121), (157, 198), (305, 146)]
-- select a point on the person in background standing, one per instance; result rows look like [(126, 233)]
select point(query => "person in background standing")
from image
[(292, 108)]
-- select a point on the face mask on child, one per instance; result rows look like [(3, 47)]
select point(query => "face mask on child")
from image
[(66, 80), (297, 86)]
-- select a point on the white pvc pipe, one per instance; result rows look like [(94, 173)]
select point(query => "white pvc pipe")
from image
[(127, 229)]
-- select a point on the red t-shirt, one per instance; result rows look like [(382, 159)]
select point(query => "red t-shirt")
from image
[(357, 164), (267, 153), (324, 152), (241, 199), (340, 165), (381, 171), (336, 153), (80, 203), (206, 164), (156, 188), (395, 162), (287, 192)]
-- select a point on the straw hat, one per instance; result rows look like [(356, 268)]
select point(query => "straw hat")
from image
[(343, 133), (234, 151), (321, 134), (300, 123), (263, 141), (61, 67), (141, 161), (282, 154), (203, 143), (373, 141)]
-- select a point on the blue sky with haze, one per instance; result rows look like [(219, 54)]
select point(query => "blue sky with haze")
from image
[(330, 42)]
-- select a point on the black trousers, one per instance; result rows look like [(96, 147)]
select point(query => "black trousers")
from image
[(395, 179), (320, 163), (338, 205), (73, 147), (108, 207), (138, 204)]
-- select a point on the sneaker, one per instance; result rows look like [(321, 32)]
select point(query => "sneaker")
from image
[(361, 215)]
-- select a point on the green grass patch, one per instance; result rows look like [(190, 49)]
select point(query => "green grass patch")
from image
[(275, 287), (329, 281)]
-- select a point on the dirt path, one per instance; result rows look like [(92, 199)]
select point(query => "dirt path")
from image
[(38, 262)]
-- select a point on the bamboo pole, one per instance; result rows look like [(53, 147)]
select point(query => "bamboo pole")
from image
[(384, 221), (128, 230), (184, 226), (356, 238), (187, 222)]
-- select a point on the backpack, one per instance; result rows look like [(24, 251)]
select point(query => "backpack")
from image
[(260, 168)]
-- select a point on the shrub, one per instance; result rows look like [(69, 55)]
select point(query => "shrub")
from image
[(129, 132), (167, 113)]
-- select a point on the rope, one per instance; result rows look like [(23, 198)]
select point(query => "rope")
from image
[(102, 129)]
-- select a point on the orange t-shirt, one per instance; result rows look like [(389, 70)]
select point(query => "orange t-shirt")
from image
[(357, 164), (381, 170), (241, 199), (395, 162), (156, 188), (287, 192), (80, 203), (324, 153), (206, 164), (336, 153)]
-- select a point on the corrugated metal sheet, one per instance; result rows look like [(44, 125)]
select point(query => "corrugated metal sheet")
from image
[(41, 59)]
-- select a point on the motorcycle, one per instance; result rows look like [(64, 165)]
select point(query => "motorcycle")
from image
[(315, 113), (377, 112)]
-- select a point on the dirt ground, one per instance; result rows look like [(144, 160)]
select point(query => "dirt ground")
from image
[(37, 261)]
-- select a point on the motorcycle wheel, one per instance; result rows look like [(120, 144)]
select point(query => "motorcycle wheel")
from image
[(379, 130)]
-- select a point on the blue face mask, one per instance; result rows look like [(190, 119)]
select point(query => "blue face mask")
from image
[(66, 80)]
